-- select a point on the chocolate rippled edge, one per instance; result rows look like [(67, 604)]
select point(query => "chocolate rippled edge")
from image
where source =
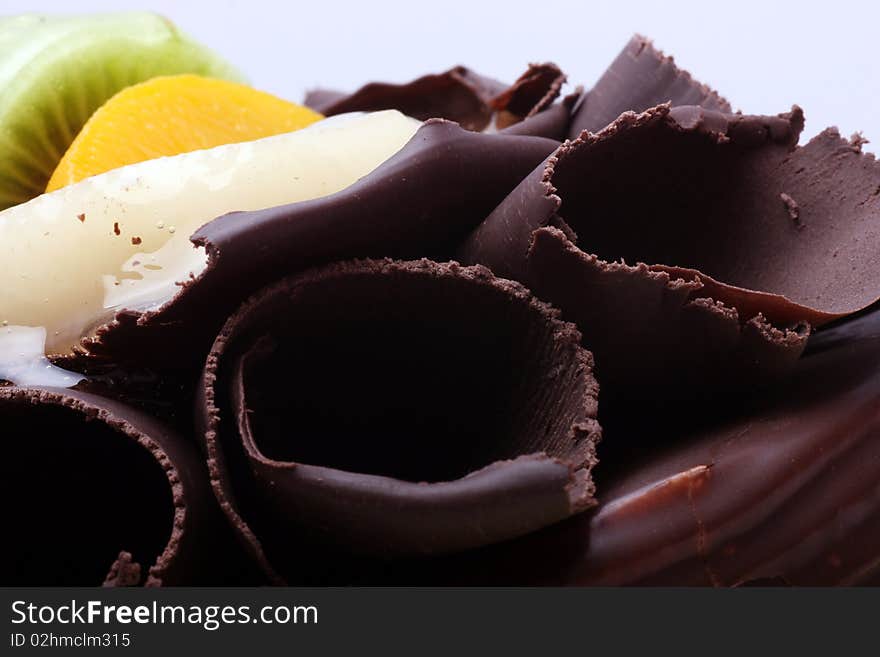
[(478, 403), (712, 194), (422, 201), (458, 95), (784, 492), (639, 78), (134, 541)]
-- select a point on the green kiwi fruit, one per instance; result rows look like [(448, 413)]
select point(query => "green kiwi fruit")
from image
[(56, 71)]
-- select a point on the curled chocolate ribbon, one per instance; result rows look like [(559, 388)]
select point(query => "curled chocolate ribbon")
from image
[(458, 94), (532, 93), (777, 488), (551, 122), (639, 78), (97, 491), (691, 246), (394, 408)]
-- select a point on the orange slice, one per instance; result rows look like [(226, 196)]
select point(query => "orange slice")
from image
[(171, 115)]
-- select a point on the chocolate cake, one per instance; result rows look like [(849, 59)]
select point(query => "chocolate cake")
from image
[(483, 333)]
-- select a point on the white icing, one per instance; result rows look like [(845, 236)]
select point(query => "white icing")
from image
[(23, 360)]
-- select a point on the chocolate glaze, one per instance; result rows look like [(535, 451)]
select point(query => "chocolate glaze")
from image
[(97, 487), (458, 95), (396, 408), (420, 202), (640, 78), (697, 193), (785, 490)]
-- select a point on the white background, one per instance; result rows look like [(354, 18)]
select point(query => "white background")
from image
[(763, 56)]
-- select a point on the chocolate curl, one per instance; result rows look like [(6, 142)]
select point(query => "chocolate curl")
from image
[(97, 491), (395, 409), (784, 492), (552, 122), (458, 95), (532, 93), (422, 201), (640, 78), (699, 194)]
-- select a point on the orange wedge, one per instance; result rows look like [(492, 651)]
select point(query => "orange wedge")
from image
[(171, 115)]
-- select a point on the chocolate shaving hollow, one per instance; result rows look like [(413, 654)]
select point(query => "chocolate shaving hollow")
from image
[(97, 491), (458, 95), (640, 78), (734, 280), (396, 408), (420, 202)]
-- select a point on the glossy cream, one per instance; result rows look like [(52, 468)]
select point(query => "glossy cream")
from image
[(23, 360)]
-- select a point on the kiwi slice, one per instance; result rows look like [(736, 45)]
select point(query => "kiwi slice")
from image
[(56, 71)]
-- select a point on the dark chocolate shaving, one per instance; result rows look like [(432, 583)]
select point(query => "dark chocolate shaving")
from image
[(776, 488), (97, 491), (640, 78), (458, 95), (663, 327), (786, 491), (396, 408), (422, 201), (534, 91), (552, 122), (699, 192)]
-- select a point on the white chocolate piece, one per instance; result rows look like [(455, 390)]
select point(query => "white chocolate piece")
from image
[(68, 271)]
